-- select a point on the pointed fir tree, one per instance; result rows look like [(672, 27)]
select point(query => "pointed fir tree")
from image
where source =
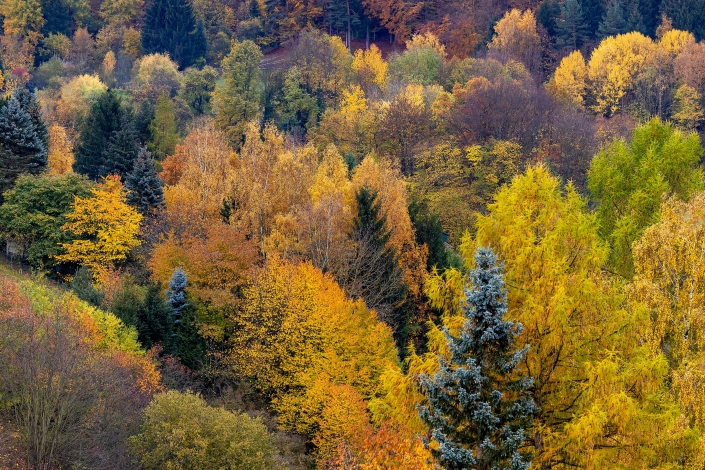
[(547, 14), (186, 343), (143, 118), (592, 14), (121, 153), (572, 28), (22, 149), (29, 103), (479, 404), (145, 187), (613, 22), (376, 273), (104, 120), (154, 318), (170, 27)]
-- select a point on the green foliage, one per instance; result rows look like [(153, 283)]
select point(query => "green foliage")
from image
[(299, 109), (186, 342), (127, 302), (170, 27), (613, 23), (163, 129), (420, 65), (572, 28), (197, 87), (145, 186), (105, 127), (378, 266), (82, 285), (236, 100), (154, 318), (429, 231), (480, 407), (181, 431), (629, 181), (34, 212), (23, 141)]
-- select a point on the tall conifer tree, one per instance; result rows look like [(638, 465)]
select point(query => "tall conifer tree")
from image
[(145, 185), (170, 27), (479, 404), (22, 149), (103, 121)]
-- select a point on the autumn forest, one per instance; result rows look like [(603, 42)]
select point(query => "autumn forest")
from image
[(352, 234)]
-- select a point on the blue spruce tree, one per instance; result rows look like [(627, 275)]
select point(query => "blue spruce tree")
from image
[(145, 185), (478, 403), (22, 147)]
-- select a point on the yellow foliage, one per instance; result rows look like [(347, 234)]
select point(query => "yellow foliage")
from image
[(675, 40), (569, 81), (688, 113), (110, 225), (77, 96), (516, 36), (370, 68), (613, 66), (60, 151), (428, 39), (669, 261), (295, 326)]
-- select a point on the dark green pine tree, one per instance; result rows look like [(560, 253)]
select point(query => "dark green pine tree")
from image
[(58, 16), (145, 185), (479, 404), (22, 149), (82, 286), (186, 343), (255, 9), (170, 27), (143, 118), (547, 14), (592, 15), (613, 22), (572, 27), (687, 15), (375, 275), (634, 17), (154, 318), (121, 153), (429, 232), (103, 121)]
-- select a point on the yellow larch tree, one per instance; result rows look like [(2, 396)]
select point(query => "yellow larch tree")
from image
[(297, 336), (516, 37), (61, 156), (670, 283), (108, 226), (599, 388)]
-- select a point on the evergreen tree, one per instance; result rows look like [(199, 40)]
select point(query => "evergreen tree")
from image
[(479, 404), (170, 27), (572, 28), (613, 22), (143, 118), (186, 343), (103, 122), (429, 232), (154, 322), (121, 153), (145, 185), (592, 14), (163, 129), (547, 15), (255, 9), (22, 149), (634, 18), (33, 108), (375, 274), (82, 286)]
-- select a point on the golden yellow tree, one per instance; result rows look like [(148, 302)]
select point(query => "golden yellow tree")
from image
[(670, 283), (569, 80), (60, 151), (600, 390), (108, 225), (613, 66), (516, 37), (370, 68)]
